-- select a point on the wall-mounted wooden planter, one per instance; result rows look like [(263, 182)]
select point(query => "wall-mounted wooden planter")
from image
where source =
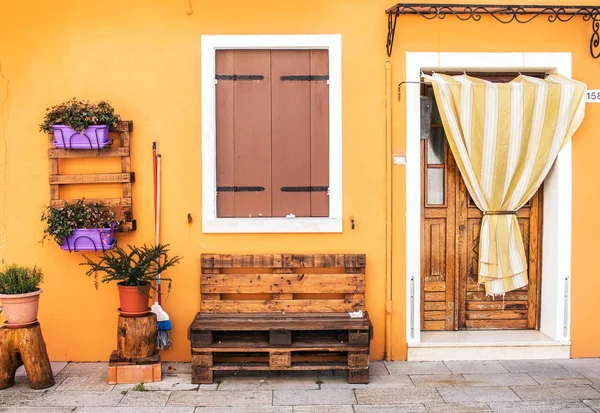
[(122, 206)]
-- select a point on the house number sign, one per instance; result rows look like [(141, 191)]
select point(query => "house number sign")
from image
[(592, 96)]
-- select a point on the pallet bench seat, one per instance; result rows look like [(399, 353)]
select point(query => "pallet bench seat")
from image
[(281, 312)]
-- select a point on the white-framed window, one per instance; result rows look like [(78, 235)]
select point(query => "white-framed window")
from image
[(216, 218)]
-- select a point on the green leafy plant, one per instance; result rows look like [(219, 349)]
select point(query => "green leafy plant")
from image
[(79, 115), (138, 267), (62, 221), (20, 280)]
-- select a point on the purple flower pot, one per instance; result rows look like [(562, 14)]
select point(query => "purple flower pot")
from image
[(94, 137), (96, 239)]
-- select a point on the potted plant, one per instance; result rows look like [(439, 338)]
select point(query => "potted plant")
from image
[(20, 294), (81, 226), (80, 125), (134, 272)]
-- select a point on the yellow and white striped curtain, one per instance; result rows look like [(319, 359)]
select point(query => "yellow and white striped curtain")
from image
[(505, 138)]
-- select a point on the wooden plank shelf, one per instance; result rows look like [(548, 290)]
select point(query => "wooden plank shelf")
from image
[(92, 178), (119, 148), (56, 153)]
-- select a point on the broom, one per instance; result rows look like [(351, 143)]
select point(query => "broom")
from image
[(163, 339)]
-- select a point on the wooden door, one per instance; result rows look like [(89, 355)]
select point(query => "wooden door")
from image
[(451, 299)]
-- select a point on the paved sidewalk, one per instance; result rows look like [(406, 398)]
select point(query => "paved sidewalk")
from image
[(440, 387)]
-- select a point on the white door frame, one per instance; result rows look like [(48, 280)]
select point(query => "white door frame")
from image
[(556, 237)]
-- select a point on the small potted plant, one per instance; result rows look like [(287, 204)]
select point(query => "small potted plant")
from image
[(81, 226), (134, 272), (80, 125), (20, 294)]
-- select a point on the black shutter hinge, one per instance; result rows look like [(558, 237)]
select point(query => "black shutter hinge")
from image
[(239, 77), (304, 188), (305, 77), (240, 188)]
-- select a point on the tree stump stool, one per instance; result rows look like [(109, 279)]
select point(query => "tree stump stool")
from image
[(136, 358), (24, 346)]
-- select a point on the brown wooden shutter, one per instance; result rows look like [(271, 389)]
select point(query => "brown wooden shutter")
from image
[(272, 133), (319, 133), (243, 133)]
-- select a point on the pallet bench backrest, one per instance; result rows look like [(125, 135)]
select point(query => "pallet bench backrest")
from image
[(293, 283)]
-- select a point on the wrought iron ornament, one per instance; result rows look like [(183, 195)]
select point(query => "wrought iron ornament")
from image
[(501, 12)]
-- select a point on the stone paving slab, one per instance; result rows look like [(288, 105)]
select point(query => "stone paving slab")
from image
[(85, 383), (593, 404), (544, 393), (25, 398), (394, 408), (477, 394), (145, 398), (223, 398), (322, 409), (263, 409), (486, 366), (78, 398), (541, 407), (36, 410), (416, 367), (22, 385), (144, 409), (552, 378), (438, 380), (377, 368), (499, 379), (312, 397), (57, 367), (270, 383), (531, 366), (579, 364), (85, 369), (180, 382), (170, 368), (375, 382), (457, 408), (397, 396)]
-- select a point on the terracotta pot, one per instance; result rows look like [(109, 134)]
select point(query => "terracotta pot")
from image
[(21, 309), (133, 302)]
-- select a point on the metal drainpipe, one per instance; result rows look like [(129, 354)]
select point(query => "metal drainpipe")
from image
[(388, 229)]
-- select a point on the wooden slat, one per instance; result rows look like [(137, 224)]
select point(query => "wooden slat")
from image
[(125, 126), (56, 153), (510, 296), (126, 166), (252, 120), (258, 306), (291, 125), (282, 283), (307, 366), (225, 132), (497, 324), (497, 315), (53, 166), (282, 260), (319, 133), (91, 178), (435, 286), (434, 305), (262, 322), (435, 315), (496, 305), (435, 296), (434, 325)]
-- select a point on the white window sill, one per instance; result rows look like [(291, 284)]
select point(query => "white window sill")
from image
[(270, 225)]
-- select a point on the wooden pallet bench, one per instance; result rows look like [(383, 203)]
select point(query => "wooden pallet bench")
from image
[(281, 312)]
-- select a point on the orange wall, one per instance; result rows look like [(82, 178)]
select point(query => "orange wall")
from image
[(144, 56)]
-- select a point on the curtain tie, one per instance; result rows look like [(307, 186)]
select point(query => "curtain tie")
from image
[(499, 212)]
